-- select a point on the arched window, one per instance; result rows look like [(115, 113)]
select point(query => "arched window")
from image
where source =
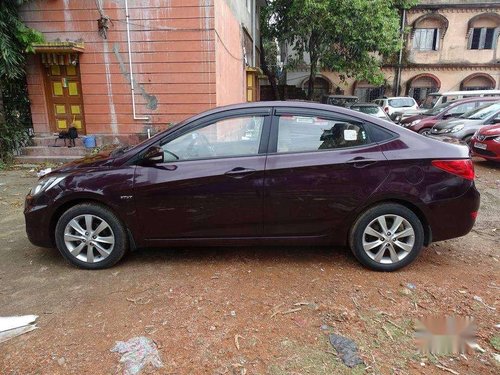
[(478, 81), (482, 31), (321, 87), (367, 92), (428, 31), (421, 85)]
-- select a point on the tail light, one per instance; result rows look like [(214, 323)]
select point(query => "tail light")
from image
[(463, 167)]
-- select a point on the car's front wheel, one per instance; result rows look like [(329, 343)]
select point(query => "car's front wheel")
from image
[(387, 237), (425, 131), (91, 236)]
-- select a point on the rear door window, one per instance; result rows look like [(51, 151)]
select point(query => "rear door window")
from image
[(310, 133)]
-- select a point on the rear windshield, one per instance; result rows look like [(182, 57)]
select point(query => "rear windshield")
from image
[(483, 112), (402, 102)]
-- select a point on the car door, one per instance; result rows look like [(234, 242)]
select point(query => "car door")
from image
[(210, 182), (320, 168)]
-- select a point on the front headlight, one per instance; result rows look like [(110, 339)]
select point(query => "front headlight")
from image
[(46, 183), (497, 139), (456, 128), (415, 122)]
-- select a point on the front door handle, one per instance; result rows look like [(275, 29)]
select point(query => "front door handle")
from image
[(240, 172), (361, 162)]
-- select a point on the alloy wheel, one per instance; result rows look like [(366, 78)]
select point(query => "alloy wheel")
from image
[(388, 239), (89, 238)]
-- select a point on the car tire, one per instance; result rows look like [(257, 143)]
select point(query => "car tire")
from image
[(90, 236), (424, 131), (392, 250)]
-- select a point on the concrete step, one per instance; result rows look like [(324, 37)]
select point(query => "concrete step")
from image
[(53, 151), (49, 141), (44, 159)]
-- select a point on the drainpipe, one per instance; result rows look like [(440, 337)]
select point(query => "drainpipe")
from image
[(400, 60), (131, 72), (254, 31)]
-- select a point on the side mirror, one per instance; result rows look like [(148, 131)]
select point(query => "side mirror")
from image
[(450, 115), (154, 155)]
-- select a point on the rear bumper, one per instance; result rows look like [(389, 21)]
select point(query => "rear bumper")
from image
[(454, 217)]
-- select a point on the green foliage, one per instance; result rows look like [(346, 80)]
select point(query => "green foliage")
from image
[(347, 36), (16, 39)]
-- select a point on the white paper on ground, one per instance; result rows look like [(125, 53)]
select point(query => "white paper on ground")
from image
[(11, 322), (7, 335), (12, 326)]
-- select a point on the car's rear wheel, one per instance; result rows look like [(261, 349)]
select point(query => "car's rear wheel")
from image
[(387, 237), (424, 131), (90, 236)]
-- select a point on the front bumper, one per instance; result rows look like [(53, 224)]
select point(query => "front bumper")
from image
[(37, 216), (492, 151)]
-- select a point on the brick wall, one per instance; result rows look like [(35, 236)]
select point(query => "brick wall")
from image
[(174, 54)]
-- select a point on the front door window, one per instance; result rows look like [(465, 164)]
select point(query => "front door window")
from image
[(238, 136)]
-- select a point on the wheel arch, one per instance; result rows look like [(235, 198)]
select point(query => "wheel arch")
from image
[(81, 200), (405, 203)]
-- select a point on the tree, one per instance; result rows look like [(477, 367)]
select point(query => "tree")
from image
[(268, 49), (15, 40), (347, 36)]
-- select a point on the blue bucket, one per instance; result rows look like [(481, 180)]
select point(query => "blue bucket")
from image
[(89, 141)]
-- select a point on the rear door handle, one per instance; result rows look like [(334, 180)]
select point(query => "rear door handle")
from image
[(240, 172), (361, 162)]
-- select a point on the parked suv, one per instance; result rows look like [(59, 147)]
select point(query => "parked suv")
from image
[(424, 122), (396, 104), (259, 174)]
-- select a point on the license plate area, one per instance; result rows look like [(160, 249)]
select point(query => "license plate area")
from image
[(479, 145)]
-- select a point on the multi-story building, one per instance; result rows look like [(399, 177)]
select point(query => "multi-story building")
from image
[(450, 45), (114, 68)]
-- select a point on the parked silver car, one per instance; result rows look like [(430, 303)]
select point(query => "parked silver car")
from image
[(465, 126)]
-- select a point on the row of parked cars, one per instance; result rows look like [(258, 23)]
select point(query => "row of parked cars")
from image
[(474, 120)]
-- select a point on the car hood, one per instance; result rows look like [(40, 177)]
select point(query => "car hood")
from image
[(407, 120), (447, 124), (490, 130), (101, 159)]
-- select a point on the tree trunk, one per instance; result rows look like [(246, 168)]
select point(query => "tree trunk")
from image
[(2, 116), (271, 77), (312, 76)]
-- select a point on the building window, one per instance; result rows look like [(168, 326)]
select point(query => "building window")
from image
[(426, 39), (482, 38)]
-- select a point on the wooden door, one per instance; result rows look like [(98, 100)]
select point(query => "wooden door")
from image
[(63, 90)]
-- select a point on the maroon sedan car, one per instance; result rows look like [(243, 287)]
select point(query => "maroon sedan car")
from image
[(266, 173), (423, 123)]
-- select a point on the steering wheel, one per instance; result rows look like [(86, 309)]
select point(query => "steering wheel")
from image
[(171, 153), (200, 143)]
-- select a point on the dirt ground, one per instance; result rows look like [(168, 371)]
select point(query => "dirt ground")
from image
[(247, 310)]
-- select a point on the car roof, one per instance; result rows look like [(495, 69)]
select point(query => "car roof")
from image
[(399, 97), (476, 99)]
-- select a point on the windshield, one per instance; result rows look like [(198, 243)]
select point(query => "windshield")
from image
[(483, 112), (401, 102), (370, 110), (429, 102), (437, 109)]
